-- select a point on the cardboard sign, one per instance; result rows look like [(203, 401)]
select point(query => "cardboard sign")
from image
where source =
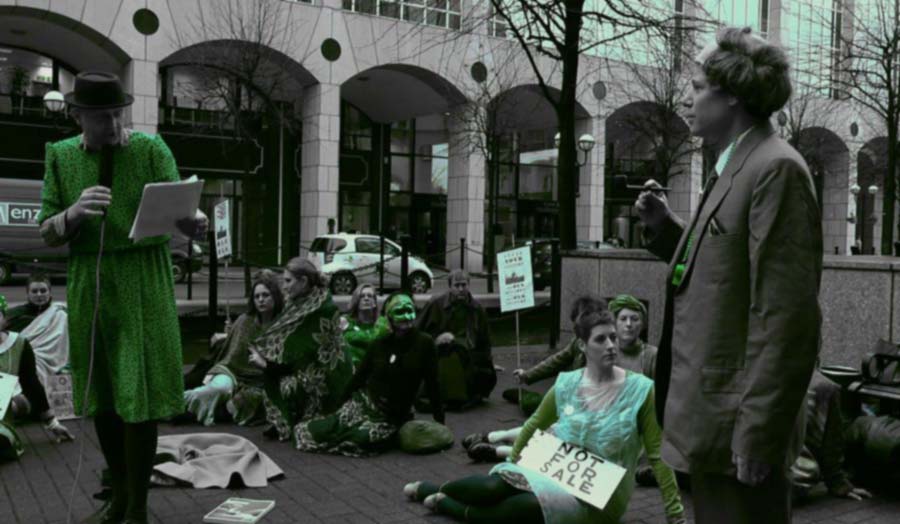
[(8, 385), (516, 282), (59, 395), (223, 229), (582, 474)]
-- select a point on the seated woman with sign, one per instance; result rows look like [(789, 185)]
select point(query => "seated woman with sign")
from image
[(17, 358), (601, 408)]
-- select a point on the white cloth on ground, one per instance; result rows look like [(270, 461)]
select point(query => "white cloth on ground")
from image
[(206, 460)]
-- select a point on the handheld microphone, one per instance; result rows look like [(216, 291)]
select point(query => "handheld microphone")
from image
[(621, 182)]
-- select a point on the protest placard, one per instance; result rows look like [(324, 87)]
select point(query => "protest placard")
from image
[(515, 278), (223, 229), (581, 473)]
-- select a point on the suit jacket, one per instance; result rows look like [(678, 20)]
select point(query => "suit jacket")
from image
[(741, 331)]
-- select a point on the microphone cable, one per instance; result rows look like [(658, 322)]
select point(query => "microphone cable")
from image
[(106, 172), (87, 387)]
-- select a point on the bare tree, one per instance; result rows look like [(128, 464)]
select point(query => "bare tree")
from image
[(870, 76), (241, 71), (563, 30), (247, 73), (653, 78)]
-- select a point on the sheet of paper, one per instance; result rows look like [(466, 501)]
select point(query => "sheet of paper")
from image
[(581, 473), (8, 385), (163, 204)]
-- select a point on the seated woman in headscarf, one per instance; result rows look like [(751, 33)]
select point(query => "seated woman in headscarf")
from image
[(380, 397), (363, 324), (305, 362), (233, 379), (17, 358), (631, 318), (602, 408)]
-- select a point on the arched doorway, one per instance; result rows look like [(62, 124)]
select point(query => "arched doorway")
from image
[(644, 140), (871, 169), (828, 159), (31, 63), (395, 156), (238, 127)]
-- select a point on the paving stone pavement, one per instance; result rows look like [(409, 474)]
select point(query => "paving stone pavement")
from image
[(321, 488)]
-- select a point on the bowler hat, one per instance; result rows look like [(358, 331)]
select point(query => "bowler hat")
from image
[(98, 90)]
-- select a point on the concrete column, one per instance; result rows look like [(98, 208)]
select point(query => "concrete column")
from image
[(589, 207), (141, 79), (319, 163), (465, 195)]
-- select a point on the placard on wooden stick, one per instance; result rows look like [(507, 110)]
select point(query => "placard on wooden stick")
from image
[(516, 280), (516, 288)]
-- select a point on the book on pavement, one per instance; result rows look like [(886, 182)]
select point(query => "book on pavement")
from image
[(239, 511)]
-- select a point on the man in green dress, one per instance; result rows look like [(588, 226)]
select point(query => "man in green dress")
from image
[(125, 355)]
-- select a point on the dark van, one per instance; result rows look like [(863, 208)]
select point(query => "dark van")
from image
[(22, 250)]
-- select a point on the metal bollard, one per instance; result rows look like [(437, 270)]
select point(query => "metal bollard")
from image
[(404, 263), (555, 293), (462, 253), (213, 282)]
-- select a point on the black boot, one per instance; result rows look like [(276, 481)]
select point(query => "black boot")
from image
[(111, 436), (140, 449)]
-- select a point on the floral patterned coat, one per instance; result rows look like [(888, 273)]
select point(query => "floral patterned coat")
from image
[(308, 364)]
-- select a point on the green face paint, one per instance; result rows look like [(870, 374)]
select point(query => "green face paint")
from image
[(401, 310)]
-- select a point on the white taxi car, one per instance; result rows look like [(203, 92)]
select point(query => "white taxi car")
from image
[(353, 259)]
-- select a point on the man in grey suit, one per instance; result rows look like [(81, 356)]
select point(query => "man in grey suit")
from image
[(742, 319)]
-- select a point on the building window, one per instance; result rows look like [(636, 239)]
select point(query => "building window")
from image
[(25, 77), (438, 13), (419, 155), (811, 31)]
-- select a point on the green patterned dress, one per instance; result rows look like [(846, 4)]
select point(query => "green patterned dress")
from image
[(138, 365), (308, 365)]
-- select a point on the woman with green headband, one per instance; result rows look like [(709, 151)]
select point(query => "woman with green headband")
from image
[(631, 318), (17, 358), (380, 397)]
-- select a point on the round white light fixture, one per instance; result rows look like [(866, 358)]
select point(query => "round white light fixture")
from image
[(873, 189), (54, 101), (586, 142), (855, 189)]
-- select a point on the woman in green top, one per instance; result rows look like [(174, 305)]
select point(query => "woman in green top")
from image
[(603, 408), (93, 184), (17, 358), (305, 362), (362, 324), (233, 378)]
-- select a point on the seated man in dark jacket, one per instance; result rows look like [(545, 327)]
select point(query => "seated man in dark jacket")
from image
[(459, 327), (822, 458)]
